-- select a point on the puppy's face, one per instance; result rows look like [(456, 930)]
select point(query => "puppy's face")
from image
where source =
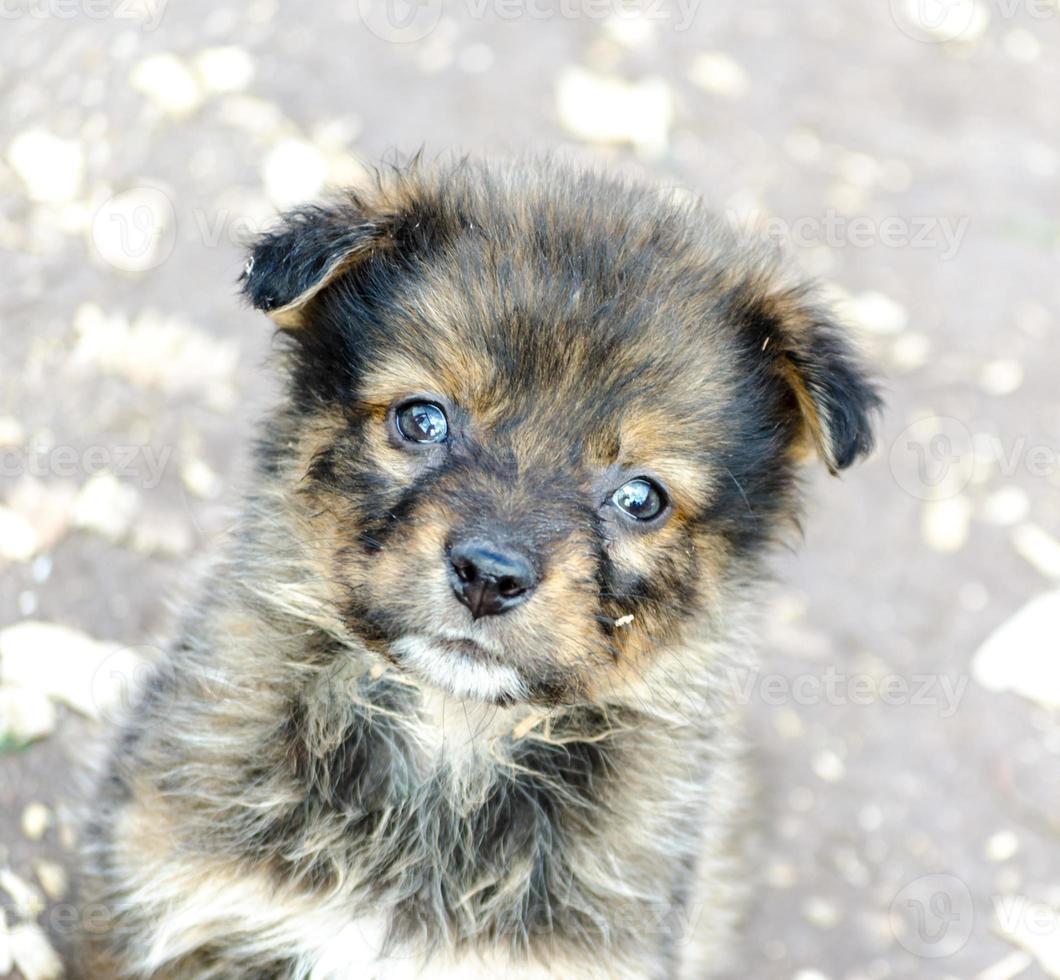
[(544, 422)]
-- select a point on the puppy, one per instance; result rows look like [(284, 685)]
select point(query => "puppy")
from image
[(457, 702)]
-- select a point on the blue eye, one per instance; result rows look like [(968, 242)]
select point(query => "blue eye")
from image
[(641, 499), (422, 422)]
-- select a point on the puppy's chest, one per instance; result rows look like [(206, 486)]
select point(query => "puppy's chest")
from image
[(452, 822), (353, 953)]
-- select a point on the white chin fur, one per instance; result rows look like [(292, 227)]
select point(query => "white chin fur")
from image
[(459, 675)]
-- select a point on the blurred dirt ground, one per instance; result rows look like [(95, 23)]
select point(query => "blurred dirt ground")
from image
[(906, 713)]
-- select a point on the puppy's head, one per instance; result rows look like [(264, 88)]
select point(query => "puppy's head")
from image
[(544, 422)]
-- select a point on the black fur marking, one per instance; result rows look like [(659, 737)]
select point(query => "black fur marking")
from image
[(291, 259), (822, 357), (844, 397)]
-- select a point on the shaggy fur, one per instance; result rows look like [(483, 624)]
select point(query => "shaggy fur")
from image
[(337, 772)]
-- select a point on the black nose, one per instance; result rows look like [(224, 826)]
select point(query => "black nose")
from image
[(489, 578)]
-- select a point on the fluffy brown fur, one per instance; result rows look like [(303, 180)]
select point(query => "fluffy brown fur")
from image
[(338, 772)]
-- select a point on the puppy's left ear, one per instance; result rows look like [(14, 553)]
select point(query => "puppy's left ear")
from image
[(310, 248), (836, 399)]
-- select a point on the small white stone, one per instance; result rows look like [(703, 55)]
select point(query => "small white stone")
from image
[(11, 431), (25, 715), (911, 351), (67, 836), (821, 912), (46, 505), (958, 21), (606, 109), (1020, 655), (253, 115), (27, 901), (106, 506), (945, 523), (200, 479), (168, 83), (1006, 506), (1002, 846), (35, 820), (829, 766), (630, 27), (41, 569), (1038, 547), (88, 675), (338, 133), (51, 168), (33, 954), (1001, 377), (18, 539), (720, 74), (52, 878), (134, 230), (224, 69), (876, 314), (154, 351), (859, 169), (157, 534), (1021, 45), (781, 874), (293, 171), (788, 724)]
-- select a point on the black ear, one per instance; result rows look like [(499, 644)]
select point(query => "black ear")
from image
[(310, 247), (831, 389)]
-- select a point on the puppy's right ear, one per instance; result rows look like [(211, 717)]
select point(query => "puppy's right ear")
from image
[(310, 248)]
